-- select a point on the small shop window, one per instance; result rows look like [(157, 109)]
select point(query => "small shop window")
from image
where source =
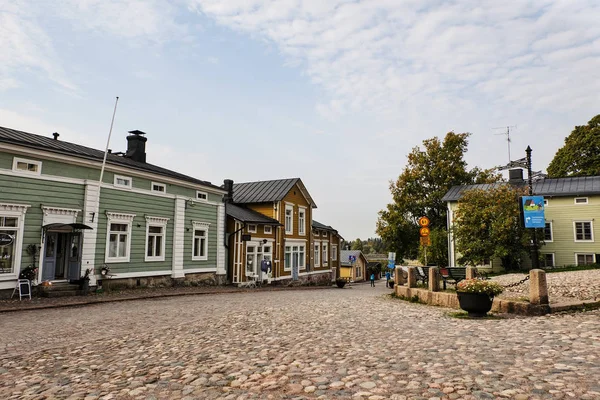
[(8, 244), (159, 187)]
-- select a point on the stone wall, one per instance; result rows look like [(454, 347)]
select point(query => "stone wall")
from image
[(322, 279), (199, 279)]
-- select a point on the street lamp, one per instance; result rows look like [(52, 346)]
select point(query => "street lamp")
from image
[(535, 261)]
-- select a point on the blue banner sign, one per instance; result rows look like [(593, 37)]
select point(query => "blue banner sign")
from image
[(533, 211), (391, 264)]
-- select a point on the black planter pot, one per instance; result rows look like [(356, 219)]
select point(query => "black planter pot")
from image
[(340, 283), (476, 304), (391, 283)]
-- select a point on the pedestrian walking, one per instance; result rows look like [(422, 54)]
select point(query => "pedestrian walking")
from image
[(372, 280), (387, 279)]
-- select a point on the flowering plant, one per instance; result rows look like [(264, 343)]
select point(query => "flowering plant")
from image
[(29, 272), (490, 288)]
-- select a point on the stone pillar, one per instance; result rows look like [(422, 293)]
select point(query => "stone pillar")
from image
[(412, 277), (538, 289), (471, 273), (399, 276), (434, 279)]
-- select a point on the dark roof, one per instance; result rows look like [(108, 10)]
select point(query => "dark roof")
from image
[(33, 141), (246, 215), (318, 225), (266, 191), (575, 186)]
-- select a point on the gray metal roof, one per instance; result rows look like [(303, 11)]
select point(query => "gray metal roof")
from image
[(573, 186), (250, 216), (267, 191), (344, 254), (38, 142), (318, 225)]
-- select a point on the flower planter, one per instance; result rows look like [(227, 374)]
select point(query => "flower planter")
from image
[(340, 283), (391, 283), (476, 304)]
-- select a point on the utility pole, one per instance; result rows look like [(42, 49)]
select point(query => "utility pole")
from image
[(535, 261)]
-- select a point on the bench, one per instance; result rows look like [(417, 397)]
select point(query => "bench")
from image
[(423, 275), (453, 275)]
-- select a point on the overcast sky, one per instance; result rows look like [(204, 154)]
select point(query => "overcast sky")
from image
[(334, 92)]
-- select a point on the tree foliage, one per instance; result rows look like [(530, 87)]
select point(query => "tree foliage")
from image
[(437, 252), (430, 172), (580, 156), (487, 225)]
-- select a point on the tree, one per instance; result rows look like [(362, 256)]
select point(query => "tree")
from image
[(580, 156), (437, 252), (418, 191), (357, 245), (487, 225)]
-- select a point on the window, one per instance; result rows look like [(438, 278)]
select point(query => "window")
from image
[(287, 261), (202, 196), (549, 260), (159, 187), (118, 240), (156, 228), (123, 181), (301, 221), (358, 272), (583, 231), (294, 253), (584, 259), (545, 202), (251, 228), (548, 232), (9, 228), (581, 200), (200, 241), (317, 254), (289, 224), (268, 229), (325, 254), (324, 234), (334, 252), (28, 166), (301, 257)]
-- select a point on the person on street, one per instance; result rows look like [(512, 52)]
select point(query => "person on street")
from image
[(372, 280), (387, 278)]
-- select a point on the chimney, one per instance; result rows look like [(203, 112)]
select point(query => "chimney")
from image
[(228, 186), (136, 146), (56, 135), (515, 176)]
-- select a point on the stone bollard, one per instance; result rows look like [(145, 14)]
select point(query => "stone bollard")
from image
[(538, 289), (412, 277), (434, 279), (471, 273), (399, 276)]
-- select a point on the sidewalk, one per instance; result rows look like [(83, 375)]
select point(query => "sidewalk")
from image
[(39, 303)]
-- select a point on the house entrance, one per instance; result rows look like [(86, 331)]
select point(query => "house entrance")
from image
[(62, 256)]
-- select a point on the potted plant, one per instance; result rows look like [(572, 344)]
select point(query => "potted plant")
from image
[(29, 272), (84, 282), (340, 282), (475, 296), (391, 283)]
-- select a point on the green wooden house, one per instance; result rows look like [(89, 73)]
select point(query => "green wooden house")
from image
[(144, 222)]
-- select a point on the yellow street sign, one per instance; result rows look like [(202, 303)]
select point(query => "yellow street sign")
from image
[(424, 221), (424, 231), (425, 241)]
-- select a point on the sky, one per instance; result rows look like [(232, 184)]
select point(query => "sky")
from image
[(335, 92)]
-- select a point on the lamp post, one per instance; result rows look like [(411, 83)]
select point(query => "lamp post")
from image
[(535, 261)]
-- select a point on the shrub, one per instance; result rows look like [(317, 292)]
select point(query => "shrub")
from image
[(490, 288)]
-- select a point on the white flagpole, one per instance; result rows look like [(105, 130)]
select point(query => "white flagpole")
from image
[(107, 144)]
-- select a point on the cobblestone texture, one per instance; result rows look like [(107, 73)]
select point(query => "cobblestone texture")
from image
[(350, 343)]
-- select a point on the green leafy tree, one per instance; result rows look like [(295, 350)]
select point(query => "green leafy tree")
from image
[(487, 225), (580, 156), (437, 252), (430, 172), (357, 245)]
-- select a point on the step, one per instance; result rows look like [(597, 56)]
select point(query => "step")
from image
[(63, 293)]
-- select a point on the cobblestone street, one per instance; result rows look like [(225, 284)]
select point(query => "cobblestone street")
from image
[(350, 343)]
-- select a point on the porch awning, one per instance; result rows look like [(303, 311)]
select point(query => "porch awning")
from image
[(70, 227)]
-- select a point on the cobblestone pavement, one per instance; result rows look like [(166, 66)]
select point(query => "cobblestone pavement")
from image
[(350, 343), (562, 286)]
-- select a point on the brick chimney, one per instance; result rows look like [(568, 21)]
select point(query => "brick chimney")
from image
[(136, 146)]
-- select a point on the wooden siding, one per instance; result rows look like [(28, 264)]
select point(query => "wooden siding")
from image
[(200, 213), (266, 209)]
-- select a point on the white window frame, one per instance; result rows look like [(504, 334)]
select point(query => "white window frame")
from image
[(38, 164), (123, 177), (252, 228), (162, 185), (324, 254), (301, 221), (553, 259), (324, 234), (201, 196), (15, 211), (301, 260), (334, 249), (591, 231), (118, 218), (197, 225), (317, 254), (161, 223), (269, 231), (551, 233), (546, 202), (585, 254), (289, 231), (586, 201)]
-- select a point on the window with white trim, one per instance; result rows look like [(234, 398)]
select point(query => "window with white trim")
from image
[(200, 241), (289, 220), (287, 259), (252, 228), (546, 202), (324, 234), (358, 272), (301, 221), (583, 231), (325, 254), (334, 252), (268, 229), (123, 181), (118, 241), (581, 200), (294, 253), (201, 196), (301, 257), (548, 237), (28, 166), (584, 259), (9, 230), (159, 187), (549, 260), (317, 254), (156, 228)]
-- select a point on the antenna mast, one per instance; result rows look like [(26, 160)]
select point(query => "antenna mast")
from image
[(507, 134)]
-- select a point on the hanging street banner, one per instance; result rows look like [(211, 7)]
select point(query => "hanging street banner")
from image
[(533, 211)]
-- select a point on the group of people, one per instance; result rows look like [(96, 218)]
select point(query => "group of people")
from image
[(387, 278)]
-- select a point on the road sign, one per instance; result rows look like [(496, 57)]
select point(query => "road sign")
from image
[(533, 211), (424, 231), (425, 241), (391, 265), (424, 221), (352, 259), (391, 256)]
